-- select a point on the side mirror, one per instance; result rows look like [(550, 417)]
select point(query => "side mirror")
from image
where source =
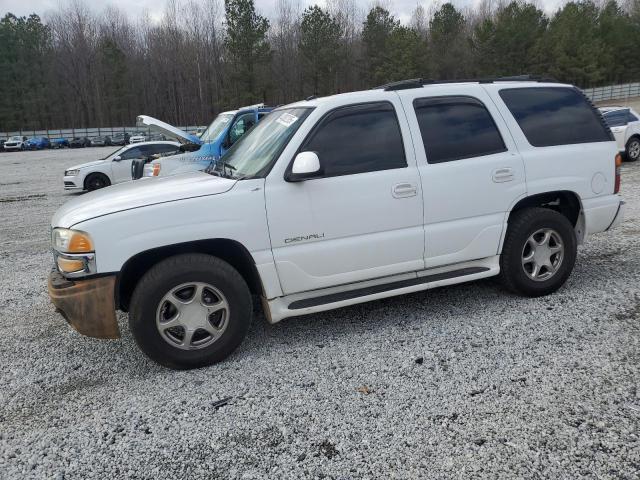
[(306, 165), (117, 158)]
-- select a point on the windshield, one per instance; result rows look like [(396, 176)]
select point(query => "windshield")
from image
[(15, 139), (214, 130), (115, 152), (254, 153)]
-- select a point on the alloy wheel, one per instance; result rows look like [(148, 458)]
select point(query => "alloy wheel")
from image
[(542, 254), (192, 316)]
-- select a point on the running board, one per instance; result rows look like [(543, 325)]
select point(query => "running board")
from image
[(376, 289)]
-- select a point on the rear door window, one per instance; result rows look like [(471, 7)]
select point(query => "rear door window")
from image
[(455, 128), (555, 116)]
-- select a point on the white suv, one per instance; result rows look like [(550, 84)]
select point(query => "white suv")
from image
[(115, 167), (625, 126), (17, 142), (339, 200)]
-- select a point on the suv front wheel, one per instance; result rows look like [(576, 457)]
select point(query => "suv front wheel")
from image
[(190, 311), (539, 252)]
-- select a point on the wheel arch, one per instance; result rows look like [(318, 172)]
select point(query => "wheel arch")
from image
[(566, 202), (231, 251)]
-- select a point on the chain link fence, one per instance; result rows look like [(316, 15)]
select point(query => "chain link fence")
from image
[(598, 94), (70, 133)]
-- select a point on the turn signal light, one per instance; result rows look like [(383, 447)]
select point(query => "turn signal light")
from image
[(156, 169), (616, 188), (70, 266)]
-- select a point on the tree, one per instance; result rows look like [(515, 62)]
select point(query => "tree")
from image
[(376, 31), (507, 44), (448, 46), (247, 49), (575, 52), (319, 43)]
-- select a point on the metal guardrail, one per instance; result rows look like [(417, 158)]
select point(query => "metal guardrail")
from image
[(613, 92), (70, 133)]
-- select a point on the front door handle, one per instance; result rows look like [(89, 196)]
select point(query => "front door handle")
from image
[(404, 190), (501, 175)]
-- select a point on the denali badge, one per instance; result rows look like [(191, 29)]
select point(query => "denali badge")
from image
[(303, 238)]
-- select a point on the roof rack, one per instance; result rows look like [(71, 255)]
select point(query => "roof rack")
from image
[(421, 82)]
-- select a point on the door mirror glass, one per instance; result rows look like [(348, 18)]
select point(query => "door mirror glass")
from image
[(305, 165)]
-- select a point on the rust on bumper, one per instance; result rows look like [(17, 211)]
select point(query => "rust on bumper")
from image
[(87, 305)]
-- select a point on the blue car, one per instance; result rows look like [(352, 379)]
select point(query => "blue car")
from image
[(60, 143), (37, 143), (199, 153)]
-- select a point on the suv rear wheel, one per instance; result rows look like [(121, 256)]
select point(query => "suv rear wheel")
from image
[(539, 252), (190, 311)]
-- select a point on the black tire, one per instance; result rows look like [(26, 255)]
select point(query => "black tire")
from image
[(632, 149), (183, 269), (522, 225), (96, 181)]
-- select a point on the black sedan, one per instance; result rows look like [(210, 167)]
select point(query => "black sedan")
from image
[(80, 142)]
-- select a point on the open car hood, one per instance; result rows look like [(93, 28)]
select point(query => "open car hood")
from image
[(167, 130)]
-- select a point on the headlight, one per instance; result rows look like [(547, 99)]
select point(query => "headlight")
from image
[(71, 241), (71, 173)]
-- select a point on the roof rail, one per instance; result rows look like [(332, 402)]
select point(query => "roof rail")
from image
[(421, 82)]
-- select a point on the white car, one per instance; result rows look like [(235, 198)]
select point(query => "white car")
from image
[(625, 126), (115, 167), (340, 200), (137, 138), (15, 143)]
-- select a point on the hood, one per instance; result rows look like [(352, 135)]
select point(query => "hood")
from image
[(167, 130), (141, 193), (86, 165)]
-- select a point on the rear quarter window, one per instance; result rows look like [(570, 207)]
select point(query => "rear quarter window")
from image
[(551, 116)]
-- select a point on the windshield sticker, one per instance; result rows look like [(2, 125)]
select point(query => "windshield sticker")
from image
[(287, 119)]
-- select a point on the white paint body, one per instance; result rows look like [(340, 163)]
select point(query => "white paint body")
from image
[(117, 171), (328, 235), (622, 133)]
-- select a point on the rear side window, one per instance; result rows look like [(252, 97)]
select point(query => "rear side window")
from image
[(555, 116), (454, 128), (358, 139), (618, 118)]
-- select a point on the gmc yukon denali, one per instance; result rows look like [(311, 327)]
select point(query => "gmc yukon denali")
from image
[(340, 200)]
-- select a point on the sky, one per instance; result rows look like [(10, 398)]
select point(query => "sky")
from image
[(137, 8)]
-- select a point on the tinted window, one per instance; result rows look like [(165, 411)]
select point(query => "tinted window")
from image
[(135, 152), (162, 148), (555, 116), (618, 118), (358, 139), (454, 128)]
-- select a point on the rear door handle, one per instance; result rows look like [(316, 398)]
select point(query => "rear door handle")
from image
[(404, 190), (501, 175)]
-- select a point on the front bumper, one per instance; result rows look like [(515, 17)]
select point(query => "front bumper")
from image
[(87, 305), (71, 183)]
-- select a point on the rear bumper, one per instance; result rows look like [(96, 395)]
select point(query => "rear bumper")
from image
[(602, 213), (87, 305), (618, 219)]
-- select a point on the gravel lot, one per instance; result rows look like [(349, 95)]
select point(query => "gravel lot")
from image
[(460, 382)]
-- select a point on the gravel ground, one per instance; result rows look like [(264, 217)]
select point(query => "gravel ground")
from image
[(459, 382)]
